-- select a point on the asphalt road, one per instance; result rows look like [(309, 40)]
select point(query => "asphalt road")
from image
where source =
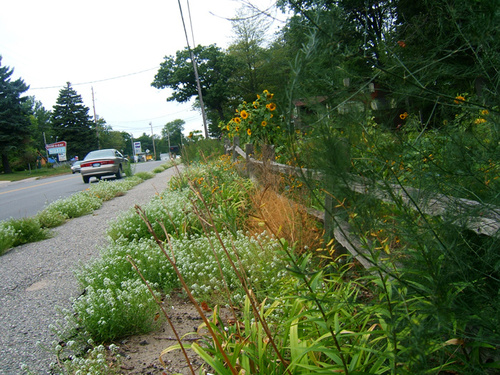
[(27, 197)]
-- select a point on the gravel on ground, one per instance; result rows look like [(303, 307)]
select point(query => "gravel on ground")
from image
[(37, 279)]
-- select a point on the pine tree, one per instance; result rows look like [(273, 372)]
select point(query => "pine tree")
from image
[(72, 123), (14, 117)]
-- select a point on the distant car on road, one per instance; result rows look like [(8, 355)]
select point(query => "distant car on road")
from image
[(76, 167), (100, 163)]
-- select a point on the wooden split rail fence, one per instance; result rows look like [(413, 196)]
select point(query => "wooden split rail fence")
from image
[(485, 219)]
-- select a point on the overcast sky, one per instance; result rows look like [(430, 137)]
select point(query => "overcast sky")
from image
[(114, 46)]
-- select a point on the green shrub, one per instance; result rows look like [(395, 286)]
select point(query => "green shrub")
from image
[(202, 150), (50, 217), (27, 230), (144, 175), (7, 236)]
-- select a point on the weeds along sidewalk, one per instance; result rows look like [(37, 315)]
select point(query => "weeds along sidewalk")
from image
[(37, 278)]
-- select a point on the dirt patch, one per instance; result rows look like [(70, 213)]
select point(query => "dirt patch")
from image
[(140, 354)]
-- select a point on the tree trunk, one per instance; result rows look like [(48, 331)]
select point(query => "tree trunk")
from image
[(5, 163)]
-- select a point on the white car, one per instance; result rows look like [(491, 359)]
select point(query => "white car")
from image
[(100, 163)]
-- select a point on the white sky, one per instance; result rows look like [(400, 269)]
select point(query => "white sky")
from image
[(51, 42)]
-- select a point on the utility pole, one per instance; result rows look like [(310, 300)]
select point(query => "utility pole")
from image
[(153, 137), (95, 119), (195, 67)]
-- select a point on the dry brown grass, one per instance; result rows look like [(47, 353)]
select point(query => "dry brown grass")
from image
[(285, 219)]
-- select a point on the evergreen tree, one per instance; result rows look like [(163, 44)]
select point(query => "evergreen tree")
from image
[(72, 123), (14, 116)]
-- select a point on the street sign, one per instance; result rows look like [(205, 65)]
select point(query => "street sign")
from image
[(58, 148), (137, 148)]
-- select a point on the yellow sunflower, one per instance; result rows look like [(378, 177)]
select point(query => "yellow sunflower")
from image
[(263, 123), (249, 132), (244, 114), (271, 106)]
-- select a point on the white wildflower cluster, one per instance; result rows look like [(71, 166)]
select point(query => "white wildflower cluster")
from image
[(94, 362), (200, 260), (170, 208), (77, 205), (104, 312), (7, 236)]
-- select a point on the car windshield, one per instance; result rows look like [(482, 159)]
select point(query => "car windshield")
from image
[(99, 154)]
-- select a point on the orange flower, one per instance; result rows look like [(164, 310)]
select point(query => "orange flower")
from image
[(459, 99), (401, 43), (244, 114), (403, 116), (263, 123), (237, 120)]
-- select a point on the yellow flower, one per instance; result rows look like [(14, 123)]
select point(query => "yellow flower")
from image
[(227, 127), (249, 132), (237, 120), (403, 116), (479, 121), (271, 106), (485, 112), (264, 123), (459, 99), (258, 96), (244, 114), (266, 92)]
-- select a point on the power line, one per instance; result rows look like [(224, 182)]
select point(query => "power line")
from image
[(97, 81)]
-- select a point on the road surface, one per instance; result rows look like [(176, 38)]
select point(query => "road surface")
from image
[(27, 197)]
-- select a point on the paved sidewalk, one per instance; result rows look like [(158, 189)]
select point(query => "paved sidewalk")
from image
[(37, 278)]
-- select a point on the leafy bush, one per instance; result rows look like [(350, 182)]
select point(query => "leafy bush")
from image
[(202, 150), (27, 230), (7, 236), (144, 175), (51, 217)]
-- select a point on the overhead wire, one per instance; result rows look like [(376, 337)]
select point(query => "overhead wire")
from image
[(97, 81)]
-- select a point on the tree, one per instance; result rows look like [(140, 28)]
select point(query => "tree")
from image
[(72, 123), (214, 69), (14, 116), (40, 123), (108, 138), (172, 132)]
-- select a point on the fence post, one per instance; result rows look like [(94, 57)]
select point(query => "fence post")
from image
[(328, 218), (249, 153), (329, 225), (268, 153), (227, 146), (236, 142)]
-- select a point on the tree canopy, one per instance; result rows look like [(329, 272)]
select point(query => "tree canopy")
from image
[(214, 69), (14, 116)]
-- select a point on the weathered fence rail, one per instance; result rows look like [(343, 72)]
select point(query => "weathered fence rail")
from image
[(482, 218)]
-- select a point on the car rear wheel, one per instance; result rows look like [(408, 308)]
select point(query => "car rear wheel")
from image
[(86, 179), (119, 173)]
